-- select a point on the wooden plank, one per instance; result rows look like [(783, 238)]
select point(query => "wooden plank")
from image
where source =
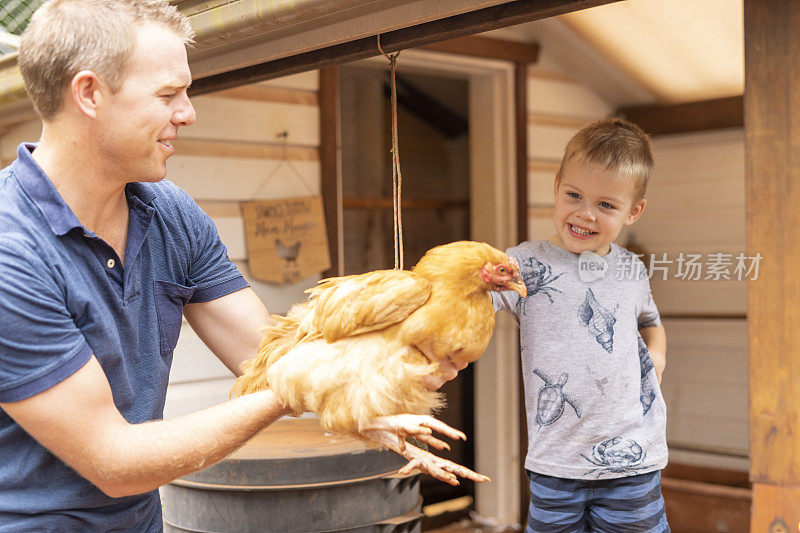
[(772, 163), (385, 204), (263, 93), (544, 165), (775, 509), (547, 142), (558, 121), (704, 316), (221, 208), (254, 121), (566, 99), (694, 507), (521, 152), (245, 150), (240, 179), (715, 476), (488, 47), (479, 21), (718, 113), (330, 161)]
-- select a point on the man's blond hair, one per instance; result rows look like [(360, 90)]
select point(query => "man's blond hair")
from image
[(65, 37), (616, 145)]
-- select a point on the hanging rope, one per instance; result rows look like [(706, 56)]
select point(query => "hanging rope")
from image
[(397, 178), (287, 162)]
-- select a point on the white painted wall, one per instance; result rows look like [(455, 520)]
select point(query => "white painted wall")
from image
[(696, 205), (218, 180)]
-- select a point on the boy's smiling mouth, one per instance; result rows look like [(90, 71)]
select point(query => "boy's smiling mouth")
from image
[(580, 232)]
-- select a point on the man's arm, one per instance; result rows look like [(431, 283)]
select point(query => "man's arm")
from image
[(230, 326), (655, 338), (78, 421)]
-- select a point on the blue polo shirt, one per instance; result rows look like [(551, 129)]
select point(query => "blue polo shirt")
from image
[(65, 295)]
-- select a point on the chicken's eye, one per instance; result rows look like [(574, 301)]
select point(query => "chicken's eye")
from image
[(501, 270)]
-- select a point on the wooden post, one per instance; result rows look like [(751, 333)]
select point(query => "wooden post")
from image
[(330, 168), (772, 159)]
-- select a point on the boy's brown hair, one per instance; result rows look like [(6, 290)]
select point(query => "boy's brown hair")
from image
[(67, 36), (616, 145)]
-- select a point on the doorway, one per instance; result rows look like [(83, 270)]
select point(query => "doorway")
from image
[(433, 125)]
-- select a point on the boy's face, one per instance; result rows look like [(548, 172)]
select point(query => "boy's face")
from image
[(592, 205)]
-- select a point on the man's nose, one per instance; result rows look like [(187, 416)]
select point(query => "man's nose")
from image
[(184, 116)]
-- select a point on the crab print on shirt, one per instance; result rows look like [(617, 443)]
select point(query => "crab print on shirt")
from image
[(647, 393), (538, 277), (551, 400), (599, 320), (616, 455)]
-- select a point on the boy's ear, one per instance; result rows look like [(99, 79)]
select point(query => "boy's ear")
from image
[(636, 211), (555, 183)]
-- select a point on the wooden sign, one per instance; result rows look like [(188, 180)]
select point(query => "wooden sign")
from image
[(286, 239)]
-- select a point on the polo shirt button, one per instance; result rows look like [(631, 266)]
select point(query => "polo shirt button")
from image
[(110, 263)]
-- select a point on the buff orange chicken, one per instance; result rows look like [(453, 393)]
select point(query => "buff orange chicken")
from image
[(368, 352)]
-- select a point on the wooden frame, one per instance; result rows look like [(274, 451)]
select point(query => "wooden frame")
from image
[(329, 156), (490, 18), (772, 134), (686, 118)]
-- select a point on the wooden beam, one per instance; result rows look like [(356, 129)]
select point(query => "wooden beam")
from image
[(706, 115), (330, 164), (385, 204), (772, 170), (244, 150), (490, 18), (278, 95), (487, 47), (521, 152)]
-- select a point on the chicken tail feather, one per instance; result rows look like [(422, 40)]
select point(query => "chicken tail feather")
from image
[(279, 338)]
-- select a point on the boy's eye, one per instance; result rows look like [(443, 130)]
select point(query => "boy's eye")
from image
[(606, 205), (573, 195)]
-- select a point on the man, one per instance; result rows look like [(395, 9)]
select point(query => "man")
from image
[(98, 260), (94, 272)]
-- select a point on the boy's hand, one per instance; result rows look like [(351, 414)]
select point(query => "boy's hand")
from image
[(655, 338)]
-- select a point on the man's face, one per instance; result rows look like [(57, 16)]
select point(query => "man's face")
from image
[(140, 121), (592, 205)]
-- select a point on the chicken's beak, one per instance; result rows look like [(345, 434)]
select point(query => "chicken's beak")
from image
[(519, 288)]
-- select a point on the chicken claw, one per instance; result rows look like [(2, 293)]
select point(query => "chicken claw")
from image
[(426, 462), (420, 427)]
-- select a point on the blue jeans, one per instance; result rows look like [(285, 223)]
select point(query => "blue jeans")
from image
[(624, 505)]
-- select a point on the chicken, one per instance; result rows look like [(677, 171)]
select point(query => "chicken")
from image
[(367, 352), (289, 253)]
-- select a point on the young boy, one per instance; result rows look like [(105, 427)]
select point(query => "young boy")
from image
[(593, 348)]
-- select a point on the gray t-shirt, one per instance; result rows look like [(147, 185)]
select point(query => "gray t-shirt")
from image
[(592, 398)]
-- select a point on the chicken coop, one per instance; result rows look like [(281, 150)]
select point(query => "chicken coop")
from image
[(292, 101)]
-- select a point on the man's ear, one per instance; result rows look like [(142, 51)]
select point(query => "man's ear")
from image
[(86, 92), (636, 211)]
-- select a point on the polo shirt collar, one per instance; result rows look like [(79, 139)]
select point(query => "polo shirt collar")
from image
[(42, 192)]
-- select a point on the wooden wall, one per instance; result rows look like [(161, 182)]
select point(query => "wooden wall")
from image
[(696, 205), (225, 158)]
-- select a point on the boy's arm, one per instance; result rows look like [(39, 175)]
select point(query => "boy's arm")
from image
[(655, 338)]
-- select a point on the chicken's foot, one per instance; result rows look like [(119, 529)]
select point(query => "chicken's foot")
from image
[(426, 462)]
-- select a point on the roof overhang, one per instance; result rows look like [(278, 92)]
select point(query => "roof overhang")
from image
[(278, 38)]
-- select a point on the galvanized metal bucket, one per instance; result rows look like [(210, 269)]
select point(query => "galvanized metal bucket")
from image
[(293, 477)]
